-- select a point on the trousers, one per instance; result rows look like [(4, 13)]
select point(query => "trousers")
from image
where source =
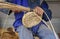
[(43, 33)]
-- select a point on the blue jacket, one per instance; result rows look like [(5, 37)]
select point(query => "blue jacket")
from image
[(26, 3)]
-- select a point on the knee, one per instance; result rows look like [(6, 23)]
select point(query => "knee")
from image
[(46, 34)]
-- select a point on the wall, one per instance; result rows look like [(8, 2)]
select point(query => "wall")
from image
[(55, 7)]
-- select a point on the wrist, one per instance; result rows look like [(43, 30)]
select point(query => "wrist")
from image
[(31, 9)]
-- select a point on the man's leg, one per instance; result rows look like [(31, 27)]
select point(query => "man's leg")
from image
[(24, 33), (45, 33)]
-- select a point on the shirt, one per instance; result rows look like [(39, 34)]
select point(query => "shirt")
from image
[(31, 4)]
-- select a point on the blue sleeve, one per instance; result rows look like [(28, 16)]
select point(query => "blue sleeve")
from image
[(49, 13), (45, 7)]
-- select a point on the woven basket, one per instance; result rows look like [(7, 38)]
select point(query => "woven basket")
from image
[(31, 19)]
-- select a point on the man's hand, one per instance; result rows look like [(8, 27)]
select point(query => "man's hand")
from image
[(38, 10)]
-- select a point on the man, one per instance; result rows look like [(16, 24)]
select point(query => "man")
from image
[(41, 29)]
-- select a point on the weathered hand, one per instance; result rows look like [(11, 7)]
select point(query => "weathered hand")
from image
[(38, 10)]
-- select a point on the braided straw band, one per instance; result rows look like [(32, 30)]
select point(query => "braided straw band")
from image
[(31, 19)]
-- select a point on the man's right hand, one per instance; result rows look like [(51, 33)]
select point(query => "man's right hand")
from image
[(38, 10)]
